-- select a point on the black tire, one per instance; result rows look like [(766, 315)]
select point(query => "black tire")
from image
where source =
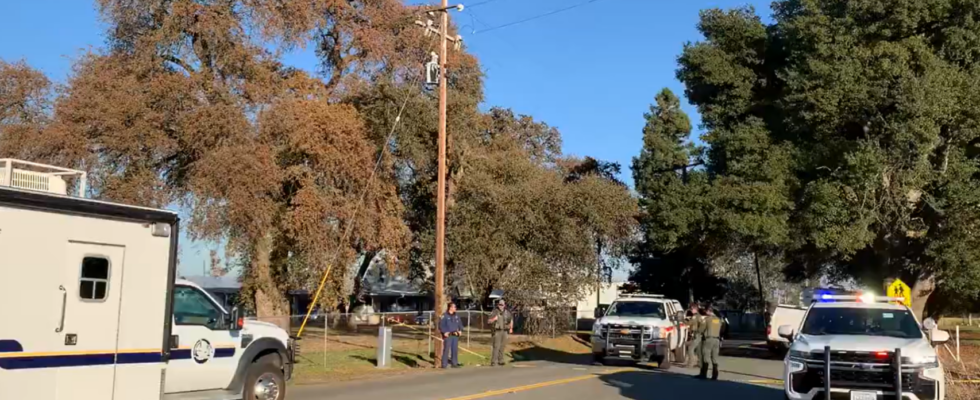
[(264, 381), (663, 363), (599, 358), (680, 355)]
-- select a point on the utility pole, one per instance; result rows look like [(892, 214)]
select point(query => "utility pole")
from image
[(440, 276)]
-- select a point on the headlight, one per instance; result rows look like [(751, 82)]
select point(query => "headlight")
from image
[(799, 355), (597, 329), (924, 361), (796, 366)]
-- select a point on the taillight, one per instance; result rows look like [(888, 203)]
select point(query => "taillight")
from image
[(768, 330), (241, 323), (669, 329)]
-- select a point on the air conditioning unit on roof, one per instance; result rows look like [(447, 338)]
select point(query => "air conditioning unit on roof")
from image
[(37, 177)]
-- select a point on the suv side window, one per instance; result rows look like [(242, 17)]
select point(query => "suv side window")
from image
[(191, 307)]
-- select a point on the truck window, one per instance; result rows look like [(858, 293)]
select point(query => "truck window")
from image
[(637, 309), (191, 307), (861, 321), (93, 282)]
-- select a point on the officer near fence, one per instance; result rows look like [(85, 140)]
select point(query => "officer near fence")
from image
[(711, 343), (502, 324), (451, 327), (694, 322)]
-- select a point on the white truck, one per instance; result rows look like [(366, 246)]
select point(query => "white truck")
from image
[(862, 347), (784, 314), (640, 327), (91, 309)]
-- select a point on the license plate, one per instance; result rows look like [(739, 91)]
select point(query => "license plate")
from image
[(855, 395)]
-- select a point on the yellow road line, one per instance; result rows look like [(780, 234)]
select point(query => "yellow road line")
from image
[(766, 381), (536, 385)]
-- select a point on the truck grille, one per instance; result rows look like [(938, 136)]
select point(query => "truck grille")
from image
[(862, 357)]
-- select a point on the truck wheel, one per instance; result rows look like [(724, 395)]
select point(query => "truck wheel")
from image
[(264, 381), (663, 363), (680, 355), (599, 358)]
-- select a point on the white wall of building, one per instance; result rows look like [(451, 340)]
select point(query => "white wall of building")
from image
[(607, 294)]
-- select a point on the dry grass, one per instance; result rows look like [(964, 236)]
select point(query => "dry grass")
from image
[(335, 358), (962, 378)]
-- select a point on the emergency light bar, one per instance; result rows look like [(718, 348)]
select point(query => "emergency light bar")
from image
[(864, 298), (644, 295)]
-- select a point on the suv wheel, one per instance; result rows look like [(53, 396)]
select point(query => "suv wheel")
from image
[(264, 381), (599, 358)]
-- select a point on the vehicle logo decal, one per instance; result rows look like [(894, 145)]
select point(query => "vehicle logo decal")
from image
[(203, 351)]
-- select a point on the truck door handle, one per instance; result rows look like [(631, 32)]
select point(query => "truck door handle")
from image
[(64, 303)]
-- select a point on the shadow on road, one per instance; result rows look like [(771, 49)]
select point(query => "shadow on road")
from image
[(645, 385), (538, 353), (749, 351)]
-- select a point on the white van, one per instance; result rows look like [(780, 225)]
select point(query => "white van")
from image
[(91, 309)]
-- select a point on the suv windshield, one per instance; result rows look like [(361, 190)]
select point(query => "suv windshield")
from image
[(861, 321), (637, 309)]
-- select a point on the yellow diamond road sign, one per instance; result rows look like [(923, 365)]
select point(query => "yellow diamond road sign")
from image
[(900, 289)]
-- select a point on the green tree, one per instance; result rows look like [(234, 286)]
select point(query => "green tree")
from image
[(850, 130), (675, 199)]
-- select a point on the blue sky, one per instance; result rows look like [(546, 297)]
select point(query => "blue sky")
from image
[(591, 71)]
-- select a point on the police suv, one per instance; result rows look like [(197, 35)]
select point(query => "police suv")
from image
[(862, 347), (640, 327)]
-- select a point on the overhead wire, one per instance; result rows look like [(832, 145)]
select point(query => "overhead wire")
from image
[(539, 16), (360, 202)]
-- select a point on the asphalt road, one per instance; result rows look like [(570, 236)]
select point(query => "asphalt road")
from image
[(748, 373)]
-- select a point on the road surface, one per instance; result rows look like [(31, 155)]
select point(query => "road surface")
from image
[(748, 376)]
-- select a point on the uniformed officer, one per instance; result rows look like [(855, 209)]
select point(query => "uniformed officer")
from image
[(694, 322), (503, 324), (450, 326), (711, 343)]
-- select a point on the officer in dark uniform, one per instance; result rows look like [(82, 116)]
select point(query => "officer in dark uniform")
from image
[(450, 326), (711, 344)]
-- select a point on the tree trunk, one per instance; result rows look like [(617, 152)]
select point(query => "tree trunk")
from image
[(921, 290), (271, 304)]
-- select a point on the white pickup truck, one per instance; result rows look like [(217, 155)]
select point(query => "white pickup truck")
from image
[(641, 327)]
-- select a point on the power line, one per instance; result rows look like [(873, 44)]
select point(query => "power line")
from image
[(539, 16), (479, 4), (360, 202)]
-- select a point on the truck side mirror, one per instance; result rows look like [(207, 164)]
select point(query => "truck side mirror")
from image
[(597, 313), (786, 332), (680, 315), (939, 337), (237, 321)]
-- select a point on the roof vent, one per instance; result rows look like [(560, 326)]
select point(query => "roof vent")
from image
[(37, 177)]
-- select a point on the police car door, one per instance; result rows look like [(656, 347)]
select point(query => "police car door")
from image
[(204, 358)]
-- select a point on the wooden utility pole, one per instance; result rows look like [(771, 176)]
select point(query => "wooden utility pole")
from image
[(440, 276), (441, 191)]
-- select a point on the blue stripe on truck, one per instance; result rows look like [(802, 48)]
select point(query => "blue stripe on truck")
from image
[(12, 356), (10, 359)]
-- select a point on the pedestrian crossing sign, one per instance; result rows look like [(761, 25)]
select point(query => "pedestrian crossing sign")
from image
[(900, 289)]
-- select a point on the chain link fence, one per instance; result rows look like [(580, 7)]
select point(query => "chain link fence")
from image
[(339, 343)]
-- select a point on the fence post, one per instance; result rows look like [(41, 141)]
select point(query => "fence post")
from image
[(326, 329), (429, 336), (469, 313), (958, 343)]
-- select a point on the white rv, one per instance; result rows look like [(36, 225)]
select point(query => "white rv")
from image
[(90, 307)]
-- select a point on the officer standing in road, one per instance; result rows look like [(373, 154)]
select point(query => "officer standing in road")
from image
[(450, 326), (502, 325), (711, 343), (694, 321)]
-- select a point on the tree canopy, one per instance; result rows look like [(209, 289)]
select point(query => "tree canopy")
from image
[(841, 139), (190, 104)]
